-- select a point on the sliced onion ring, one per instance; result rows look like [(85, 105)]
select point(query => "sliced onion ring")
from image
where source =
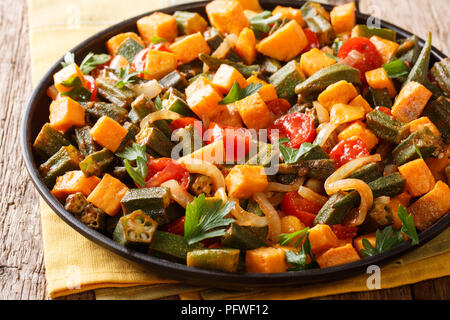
[(245, 218), (279, 187), (325, 132), (205, 168), (159, 115), (179, 195), (311, 195), (322, 114), (273, 219)]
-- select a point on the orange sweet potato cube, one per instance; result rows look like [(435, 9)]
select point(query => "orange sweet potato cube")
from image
[(267, 91), (114, 43), (254, 112), (386, 48), (158, 64), (423, 122), (158, 24), (245, 180), (203, 98), (314, 60), (322, 238), (343, 17), (358, 129), (337, 256), (108, 194), (252, 5), (108, 133), (290, 13), (187, 48), (378, 79), (226, 76), (275, 45), (265, 260), (72, 182), (371, 237), (339, 92), (419, 179), (229, 116), (400, 199), (246, 45), (66, 113), (67, 74), (227, 16), (432, 206), (360, 101), (410, 102), (291, 224)]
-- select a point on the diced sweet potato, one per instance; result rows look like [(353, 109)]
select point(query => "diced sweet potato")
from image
[(72, 182), (245, 180), (203, 98), (246, 45), (337, 256), (158, 64), (343, 113), (254, 112), (371, 237), (322, 238), (267, 91), (291, 224), (419, 179), (437, 165), (229, 116), (314, 60), (386, 48), (252, 5), (360, 101), (290, 13), (423, 122), (339, 92), (213, 153), (108, 133), (108, 194), (158, 24), (275, 45), (400, 199), (66, 75), (226, 76), (410, 102), (227, 16), (66, 113), (358, 129), (343, 17), (378, 79), (114, 43), (265, 260), (432, 206), (189, 47)]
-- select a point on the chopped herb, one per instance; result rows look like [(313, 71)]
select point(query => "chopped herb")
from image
[(206, 219), (127, 77), (396, 68), (299, 260), (292, 155), (78, 91), (156, 40), (92, 61), (237, 93), (332, 56), (408, 226), (158, 103), (418, 151), (135, 153), (262, 21), (286, 238)]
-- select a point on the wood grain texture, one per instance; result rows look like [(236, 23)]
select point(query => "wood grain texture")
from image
[(22, 274)]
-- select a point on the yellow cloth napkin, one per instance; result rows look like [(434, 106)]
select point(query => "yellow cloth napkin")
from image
[(75, 264)]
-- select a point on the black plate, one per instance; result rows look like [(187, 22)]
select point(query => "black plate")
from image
[(37, 112)]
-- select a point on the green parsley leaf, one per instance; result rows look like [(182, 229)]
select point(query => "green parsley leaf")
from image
[(418, 151), (396, 68), (158, 103), (292, 155), (332, 56), (385, 240), (127, 77), (286, 238), (408, 226), (299, 260), (262, 21), (78, 91), (156, 40), (206, 219), (69, 58), (236, 93), (135, 153), (92, 61)]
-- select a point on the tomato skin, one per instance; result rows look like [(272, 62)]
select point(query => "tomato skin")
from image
[(160, 47), (347, 150), (343, 232), (91, 86), (176, 227), (236, 138), (313, 42), (371, 57), (163, 169), (185, 122), (384, 110), (305, 210), (139, 61), (297, 127), (279, 106)]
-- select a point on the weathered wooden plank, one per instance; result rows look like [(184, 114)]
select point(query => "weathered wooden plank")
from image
[(400, 293), (435, 289)]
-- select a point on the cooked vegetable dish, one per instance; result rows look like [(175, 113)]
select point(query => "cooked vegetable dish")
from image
[(251, 140)]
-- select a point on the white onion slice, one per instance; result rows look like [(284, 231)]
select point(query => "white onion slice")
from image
[(228, 43), (181, 196), (311, 195), (322, 114), (245, 218), (273, 219), (279, 187), (205, 168), (119, 62), (159, 115), (325, 131), (150, 88)]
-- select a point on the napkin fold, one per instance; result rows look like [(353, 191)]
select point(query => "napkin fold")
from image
[(75, 264)]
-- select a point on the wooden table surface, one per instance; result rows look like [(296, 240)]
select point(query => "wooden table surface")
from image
[(22, 270)]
